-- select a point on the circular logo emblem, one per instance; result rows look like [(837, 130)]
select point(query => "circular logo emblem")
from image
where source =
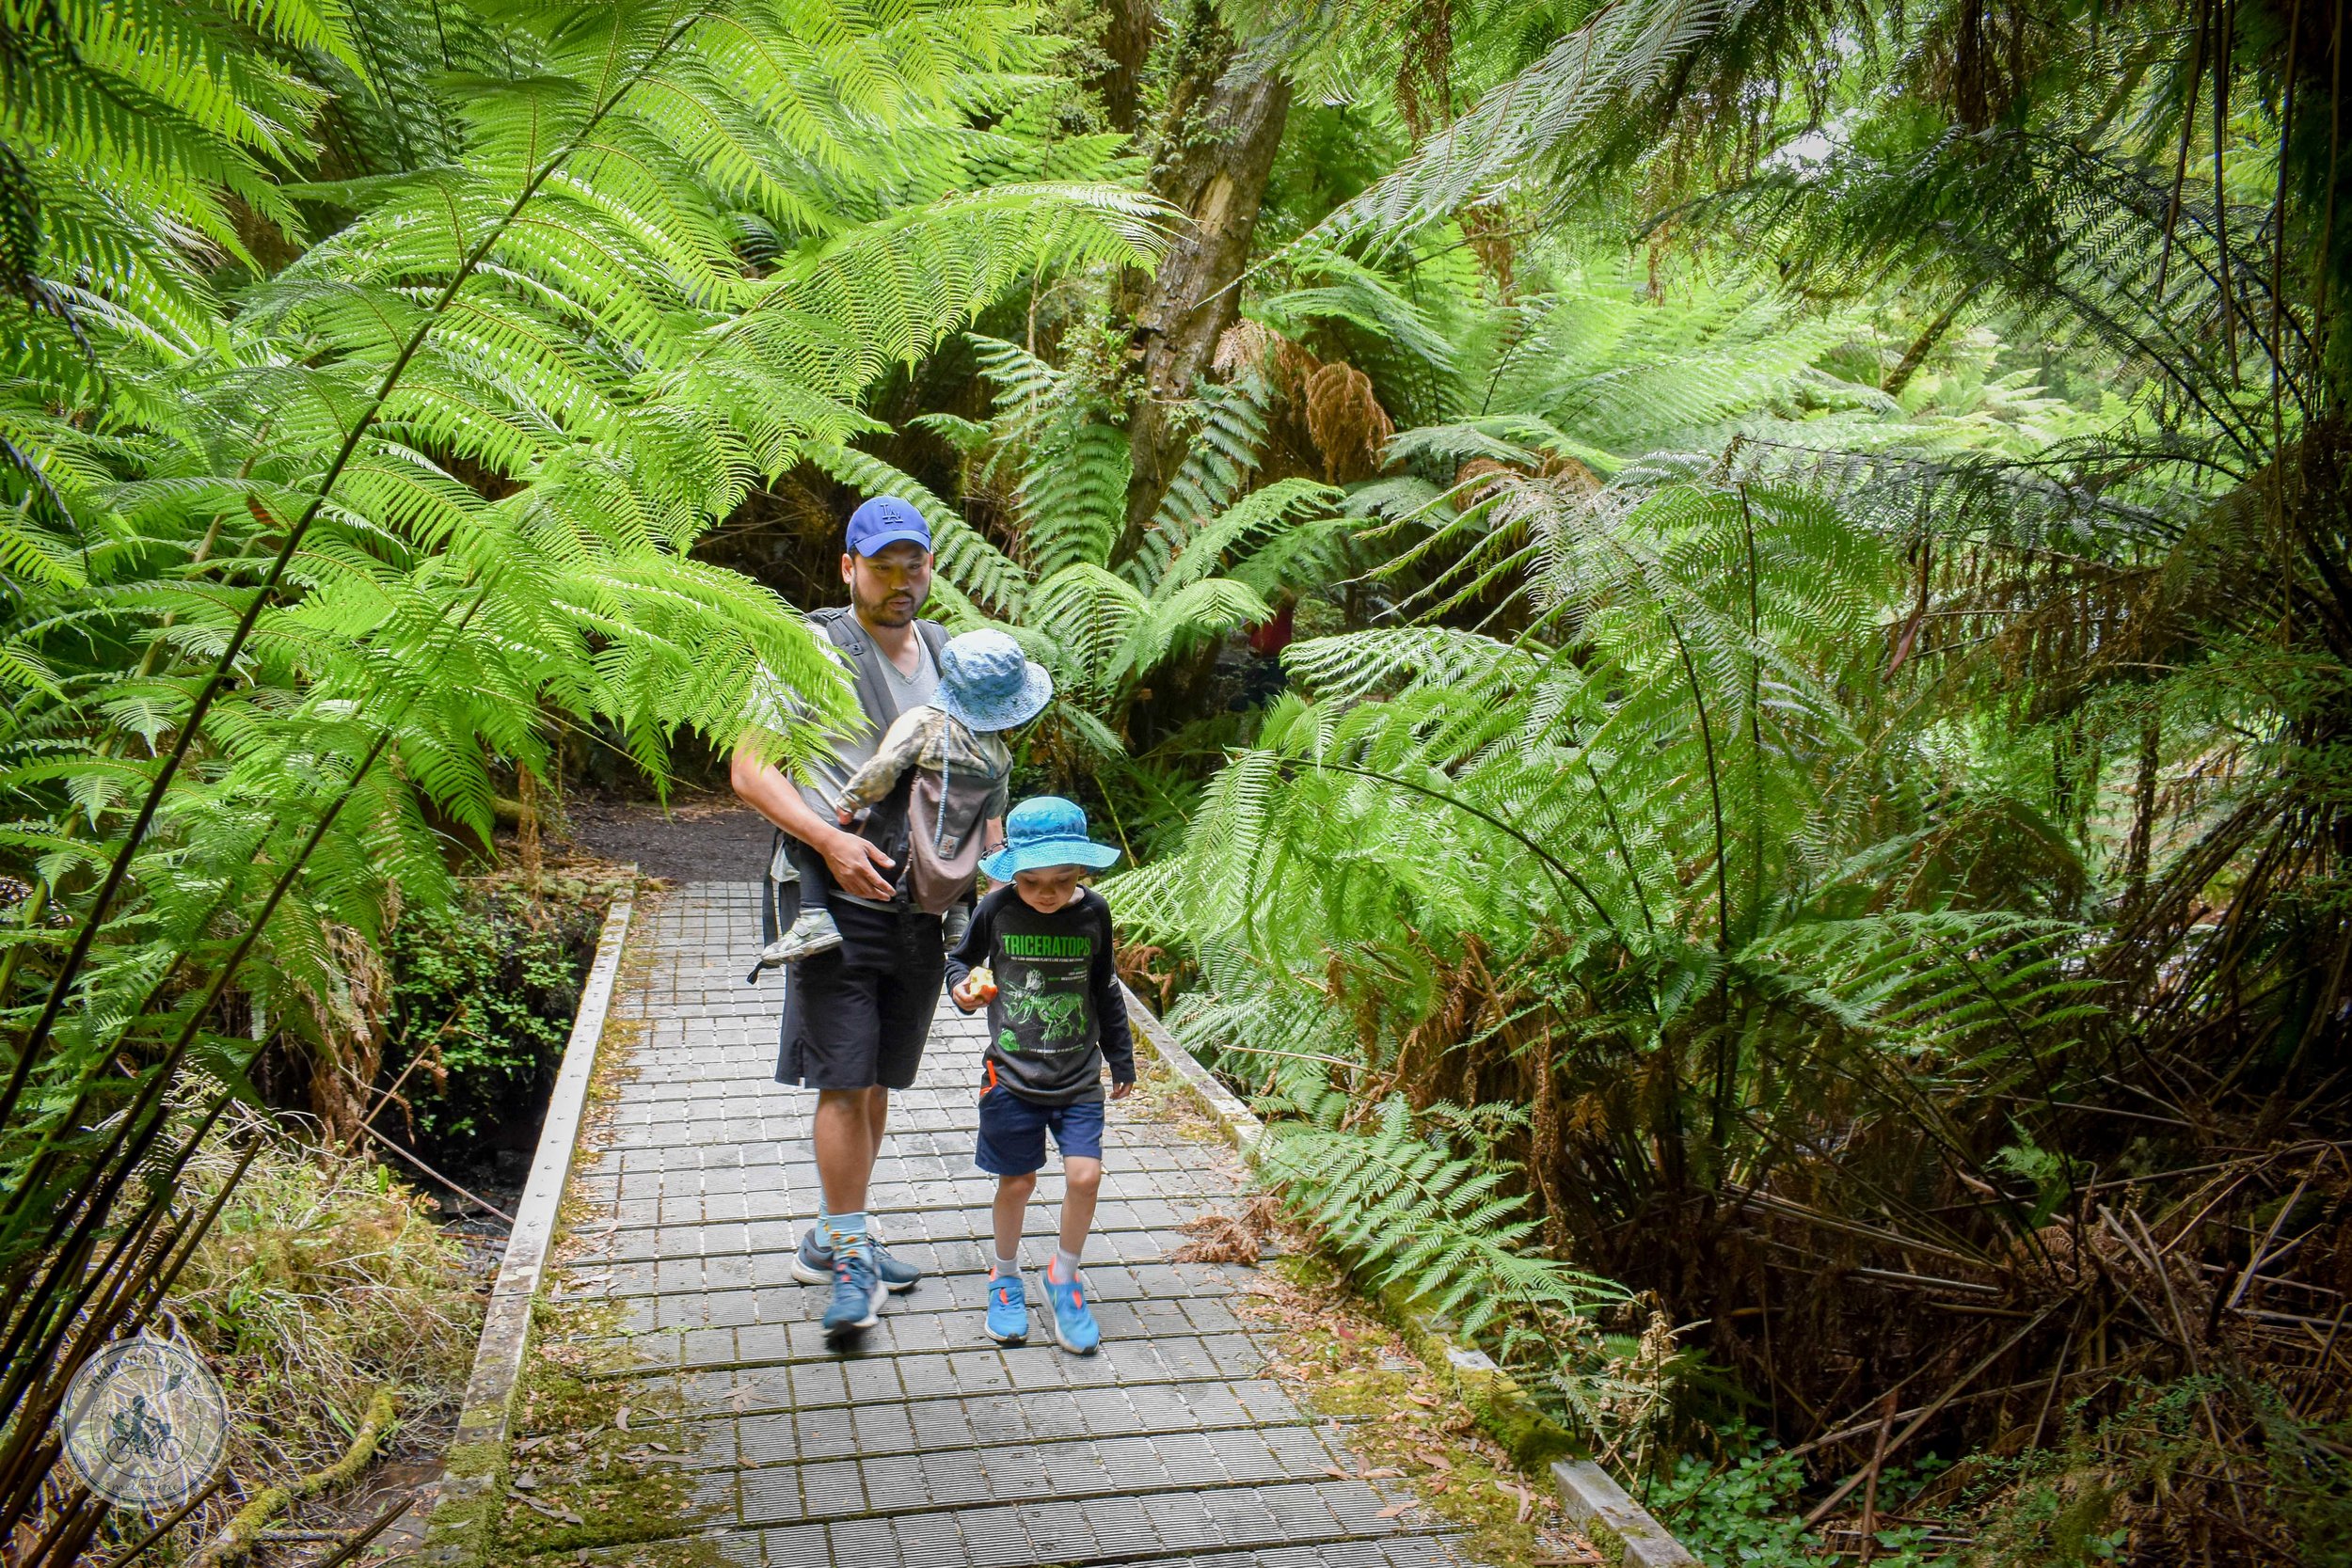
[(144, 1422)]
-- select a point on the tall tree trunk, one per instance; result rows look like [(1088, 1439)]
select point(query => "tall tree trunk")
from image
[(1216, 149), (1128, 28)]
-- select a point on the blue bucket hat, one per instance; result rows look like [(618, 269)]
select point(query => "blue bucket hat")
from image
[(985, 682), (1042, 831), (885, 521)]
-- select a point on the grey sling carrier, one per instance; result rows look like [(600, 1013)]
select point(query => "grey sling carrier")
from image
[(779, 880)]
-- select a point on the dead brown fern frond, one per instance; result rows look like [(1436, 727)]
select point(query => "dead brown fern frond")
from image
[(1349, 426)]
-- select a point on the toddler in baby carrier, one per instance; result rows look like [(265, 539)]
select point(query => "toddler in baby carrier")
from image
[(939, 775)]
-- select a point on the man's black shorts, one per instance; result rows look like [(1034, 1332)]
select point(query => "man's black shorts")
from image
[(858, 1016)]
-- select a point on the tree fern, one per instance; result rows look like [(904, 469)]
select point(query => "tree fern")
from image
[(1104, 625), (1441, 1228), (305, 547), (1223, 455)]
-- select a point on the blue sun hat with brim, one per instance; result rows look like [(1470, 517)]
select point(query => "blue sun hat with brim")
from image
[(1042, 831), (989, 684)]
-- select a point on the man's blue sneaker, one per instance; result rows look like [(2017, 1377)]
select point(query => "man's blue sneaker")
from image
[(1007, 1308), (812, 1263), (857, 1297), (1075, 1327)]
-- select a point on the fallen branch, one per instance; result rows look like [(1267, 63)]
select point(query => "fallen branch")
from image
[(353, 1548), (236, 1542), (1823, 1509), (474, 1199)]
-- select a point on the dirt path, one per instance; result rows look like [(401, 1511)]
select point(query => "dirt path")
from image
[(700, 838)]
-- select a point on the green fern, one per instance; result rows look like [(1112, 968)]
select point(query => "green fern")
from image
[(312, 542), (1441, 1228)]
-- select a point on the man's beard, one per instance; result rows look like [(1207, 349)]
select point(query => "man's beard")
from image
[(892, 611)]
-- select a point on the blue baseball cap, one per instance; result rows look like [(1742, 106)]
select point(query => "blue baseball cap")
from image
[(885, 521), (1042, 831)]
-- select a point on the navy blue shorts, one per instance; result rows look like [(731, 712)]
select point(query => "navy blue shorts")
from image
[(1013, 1131)]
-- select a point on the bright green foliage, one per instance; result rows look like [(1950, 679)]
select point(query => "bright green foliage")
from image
[(1100, 621), (483, 997), (1441, 1228), (337, 479), (494, 407), (1681, 821), (1856, 750)]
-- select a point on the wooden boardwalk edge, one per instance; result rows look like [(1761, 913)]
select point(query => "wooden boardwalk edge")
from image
[(1596, 1503), (457, 1534)]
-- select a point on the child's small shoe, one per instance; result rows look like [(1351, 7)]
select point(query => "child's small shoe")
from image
[(1074, 1328), (813, 933), (1007, 1308)]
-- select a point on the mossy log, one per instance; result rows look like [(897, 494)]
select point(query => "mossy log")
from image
[(235, 1543)]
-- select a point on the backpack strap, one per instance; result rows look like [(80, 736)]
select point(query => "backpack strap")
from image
[(768, 931)]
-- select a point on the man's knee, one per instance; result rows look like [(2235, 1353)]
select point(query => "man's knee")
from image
[(842, 1114)]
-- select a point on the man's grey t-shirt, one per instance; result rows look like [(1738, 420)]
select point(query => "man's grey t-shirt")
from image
[(770, 701)]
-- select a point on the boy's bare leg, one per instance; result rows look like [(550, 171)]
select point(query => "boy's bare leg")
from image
[(1013, 1207), (1082, 1183)]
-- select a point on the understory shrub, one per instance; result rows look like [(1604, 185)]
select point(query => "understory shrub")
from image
[(324, 1279), (483, 996), (1744, 1509)]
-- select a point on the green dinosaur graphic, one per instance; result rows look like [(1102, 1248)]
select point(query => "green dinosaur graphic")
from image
[(1059, 1015), (1008, 1042)]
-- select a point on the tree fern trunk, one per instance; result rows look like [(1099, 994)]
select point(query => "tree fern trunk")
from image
[(1217, 148)]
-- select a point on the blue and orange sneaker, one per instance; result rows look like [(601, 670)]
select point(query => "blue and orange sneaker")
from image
[(858, 1294), (812, 1262), (1008, 1307), (1074, 1328)]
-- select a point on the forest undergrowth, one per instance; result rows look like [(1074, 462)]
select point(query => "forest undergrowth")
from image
[(1720, 636)]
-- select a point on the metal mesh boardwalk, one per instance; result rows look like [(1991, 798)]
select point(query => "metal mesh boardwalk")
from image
[(929, 1446)]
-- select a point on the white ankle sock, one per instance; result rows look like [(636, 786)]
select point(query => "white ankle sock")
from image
[(1005, 1266), (1065, 1265)]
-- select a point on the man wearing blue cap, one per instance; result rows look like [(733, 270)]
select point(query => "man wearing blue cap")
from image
[(855, 1017)]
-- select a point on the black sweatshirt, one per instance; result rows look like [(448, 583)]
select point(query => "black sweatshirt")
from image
[(1057, 1014)]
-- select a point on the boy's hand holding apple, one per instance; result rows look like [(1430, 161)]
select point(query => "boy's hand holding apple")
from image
[(975, 989)]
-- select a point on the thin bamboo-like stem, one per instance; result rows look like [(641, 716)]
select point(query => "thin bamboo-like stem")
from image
[(95, 1209), (131, 1237), (2278, 342), (1625, 853), (193, 1234), (2188, 131), (2327, 222), (1714, 791), (147, 1540), (2225, 33), (1559, 872)]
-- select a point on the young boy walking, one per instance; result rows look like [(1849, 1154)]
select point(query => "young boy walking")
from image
[(1038, 954)]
